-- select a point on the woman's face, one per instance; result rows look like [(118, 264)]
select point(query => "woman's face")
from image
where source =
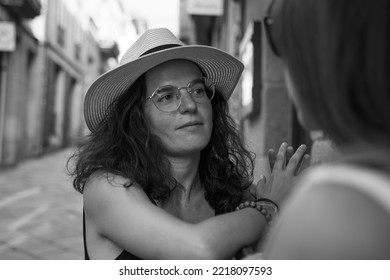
[(188, 129)]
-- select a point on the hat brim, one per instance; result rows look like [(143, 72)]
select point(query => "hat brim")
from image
[(222, 68)]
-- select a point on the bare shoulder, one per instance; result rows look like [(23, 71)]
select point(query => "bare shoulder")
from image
[(332, 221), (102, 179), (104, 190)]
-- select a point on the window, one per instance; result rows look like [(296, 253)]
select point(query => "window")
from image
[(60, 35), (77, 51), (251, 84)]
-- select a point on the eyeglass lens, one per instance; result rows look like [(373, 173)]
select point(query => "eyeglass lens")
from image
[(168, 98)]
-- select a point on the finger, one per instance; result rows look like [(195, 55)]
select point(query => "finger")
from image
[(260, 186), (252, 191), (271, 158), (262, 180), (281, 157), (295, 160), (304, 164), (289, 153)]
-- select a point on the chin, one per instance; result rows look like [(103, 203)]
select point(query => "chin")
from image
[(190, 149), (195, 147)]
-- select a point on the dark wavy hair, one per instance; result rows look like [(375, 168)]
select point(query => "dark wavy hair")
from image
[(124, 145), (337, 53)]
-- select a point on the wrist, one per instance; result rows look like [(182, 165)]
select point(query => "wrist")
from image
[(266, 207), (269, 204)]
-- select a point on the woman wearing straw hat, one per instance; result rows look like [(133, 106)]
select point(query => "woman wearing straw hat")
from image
[(164, 166)]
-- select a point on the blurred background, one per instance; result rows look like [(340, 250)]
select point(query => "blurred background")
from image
[(52, 50)]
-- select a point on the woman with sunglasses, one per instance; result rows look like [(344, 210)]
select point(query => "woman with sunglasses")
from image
[(164, 168), (337, 67)]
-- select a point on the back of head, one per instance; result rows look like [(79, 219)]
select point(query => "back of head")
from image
[(337, 53)]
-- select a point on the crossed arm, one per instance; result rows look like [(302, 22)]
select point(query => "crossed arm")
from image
[(127, 218)]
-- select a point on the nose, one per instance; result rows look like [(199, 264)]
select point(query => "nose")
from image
[(187, 102)]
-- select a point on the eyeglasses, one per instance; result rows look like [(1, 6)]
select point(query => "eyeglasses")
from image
[(268, 22), (168, 98)]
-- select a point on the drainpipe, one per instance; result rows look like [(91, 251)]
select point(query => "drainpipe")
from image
[(3, 93)]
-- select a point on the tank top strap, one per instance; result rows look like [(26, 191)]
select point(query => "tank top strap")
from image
[(86, 256)]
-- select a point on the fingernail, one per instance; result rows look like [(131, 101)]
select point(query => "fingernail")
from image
[(303, 147)]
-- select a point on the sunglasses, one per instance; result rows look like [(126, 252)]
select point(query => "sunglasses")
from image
[(268, 23)]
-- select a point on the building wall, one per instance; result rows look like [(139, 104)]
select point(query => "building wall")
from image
[(62, 49), (20, 81), (271, 127), (89, 25), (186, 25), (32, 139), (226, 34), (45, 78), (269, 124)]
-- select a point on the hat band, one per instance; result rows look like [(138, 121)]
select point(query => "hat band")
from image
[(160, 48)]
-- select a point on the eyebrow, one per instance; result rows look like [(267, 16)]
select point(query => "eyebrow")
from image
[(200, 78)]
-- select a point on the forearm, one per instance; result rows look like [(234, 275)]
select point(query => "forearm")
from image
[(225, 234)]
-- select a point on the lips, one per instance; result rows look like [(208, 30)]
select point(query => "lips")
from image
[(188, 124)]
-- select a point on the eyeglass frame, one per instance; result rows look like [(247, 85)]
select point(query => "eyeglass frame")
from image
[(204, 79), (268, 22)]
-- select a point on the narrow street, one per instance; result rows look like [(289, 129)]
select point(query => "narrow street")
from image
[(40, 212)]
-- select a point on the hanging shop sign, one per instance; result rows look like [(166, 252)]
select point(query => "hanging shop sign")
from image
[(7, 36), (205, 7)]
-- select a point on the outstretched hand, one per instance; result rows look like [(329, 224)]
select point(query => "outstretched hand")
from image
[(303, 164), (284, 165)]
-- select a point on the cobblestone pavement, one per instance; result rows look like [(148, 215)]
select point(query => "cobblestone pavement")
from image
[(40, 212)]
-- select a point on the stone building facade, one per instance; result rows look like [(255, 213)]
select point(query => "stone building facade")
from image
[(43, 79), (20, 71)]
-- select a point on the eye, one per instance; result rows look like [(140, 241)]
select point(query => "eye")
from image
[(165, 97), (198, 92)]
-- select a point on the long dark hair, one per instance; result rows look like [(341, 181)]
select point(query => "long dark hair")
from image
[(123, 145), (337, 53)]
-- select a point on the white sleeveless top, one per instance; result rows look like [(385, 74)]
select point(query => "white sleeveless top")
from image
[(373, 184)]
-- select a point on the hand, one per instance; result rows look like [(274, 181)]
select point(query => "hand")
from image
[(284, 167), (305, 160)]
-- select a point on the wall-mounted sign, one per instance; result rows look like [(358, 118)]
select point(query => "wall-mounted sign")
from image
[(205, 7), (7, 36)]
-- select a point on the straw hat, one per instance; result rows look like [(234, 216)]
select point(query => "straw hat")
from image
[(154, 47)]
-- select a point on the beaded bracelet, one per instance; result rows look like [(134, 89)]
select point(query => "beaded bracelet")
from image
[(267, 207), (269, 201)]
